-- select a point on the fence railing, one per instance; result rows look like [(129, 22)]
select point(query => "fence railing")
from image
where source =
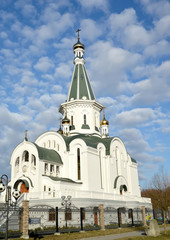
[(45, 220)]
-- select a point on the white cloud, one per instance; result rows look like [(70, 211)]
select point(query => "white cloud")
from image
[(64, 70), (109, 64), (44, 64), (135, 117), (156, 8), (94, 4), (155, 88), (117, 22), (90, 29), (135, 142)]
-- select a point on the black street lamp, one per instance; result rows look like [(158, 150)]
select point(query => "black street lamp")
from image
[(16, 194), (66, 202)]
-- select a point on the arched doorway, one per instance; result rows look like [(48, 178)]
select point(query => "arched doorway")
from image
[(22, 185)]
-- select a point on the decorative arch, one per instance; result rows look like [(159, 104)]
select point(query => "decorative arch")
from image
[(120, 183), (23, 185)]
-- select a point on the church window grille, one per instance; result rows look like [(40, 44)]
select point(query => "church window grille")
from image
[(85, 120), (25, 156), (51, 215), (68, 214), (33, 161), (78, 164)]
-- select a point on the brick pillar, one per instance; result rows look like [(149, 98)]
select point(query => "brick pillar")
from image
[(144, 216), (25, 219), (101, 216)]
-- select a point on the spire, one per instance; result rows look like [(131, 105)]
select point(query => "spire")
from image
[(60, 130), (78, 30), (26, 139), (80, 88)]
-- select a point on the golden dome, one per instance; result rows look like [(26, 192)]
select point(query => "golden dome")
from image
[(104, 122), (60, 131), (66, 120), (78, 45)]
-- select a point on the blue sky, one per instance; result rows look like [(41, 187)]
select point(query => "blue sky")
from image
[(127, 58)]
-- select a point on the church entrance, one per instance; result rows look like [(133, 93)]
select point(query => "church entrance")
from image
[(23, 188)]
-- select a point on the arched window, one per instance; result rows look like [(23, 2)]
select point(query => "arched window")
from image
[(17, 162), (33, 160), (54, 144), (85, 120), (78, 164), (25, 156)]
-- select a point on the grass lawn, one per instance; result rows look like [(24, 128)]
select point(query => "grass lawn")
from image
[(73, 236), (161, 237)]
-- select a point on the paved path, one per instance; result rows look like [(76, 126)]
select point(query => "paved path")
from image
[(119, 235)]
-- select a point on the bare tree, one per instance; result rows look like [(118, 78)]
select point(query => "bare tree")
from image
[(159, 192)]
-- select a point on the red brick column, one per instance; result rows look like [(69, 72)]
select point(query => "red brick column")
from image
[(25, 219), (101, 216), (144, 215)]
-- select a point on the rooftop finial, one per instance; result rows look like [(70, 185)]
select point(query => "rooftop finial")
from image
[(26, 139), (103, 113), (60, 121), (78, 30)]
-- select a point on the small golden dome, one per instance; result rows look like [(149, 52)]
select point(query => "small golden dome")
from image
[(60, 131), (66, 120), (104, 122), (78, 45)]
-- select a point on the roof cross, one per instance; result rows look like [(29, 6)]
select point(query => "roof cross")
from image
[(26, 139), (78, 30)]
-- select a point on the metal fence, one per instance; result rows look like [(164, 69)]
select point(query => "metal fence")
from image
[(45, 220), (10, 220)]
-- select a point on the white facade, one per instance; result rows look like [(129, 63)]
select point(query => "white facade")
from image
[(82, 160)]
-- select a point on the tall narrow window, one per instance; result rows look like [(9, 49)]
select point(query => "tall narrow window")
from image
[(71, 120), (33, 160), (85, 122), (25, 156), (78, 164), (101, 174)]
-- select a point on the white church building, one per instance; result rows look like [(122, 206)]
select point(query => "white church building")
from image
[(79, 160)]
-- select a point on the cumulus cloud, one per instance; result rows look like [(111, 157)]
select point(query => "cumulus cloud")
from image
[(91, 29), (135, 117), (95, 4), (154, 89), (157, 8), (110, 64), (44, 64)]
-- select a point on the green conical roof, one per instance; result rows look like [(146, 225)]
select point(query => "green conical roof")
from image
[(80, 87)]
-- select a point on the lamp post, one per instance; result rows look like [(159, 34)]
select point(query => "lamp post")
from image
[(16, 194), (66, 202)]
